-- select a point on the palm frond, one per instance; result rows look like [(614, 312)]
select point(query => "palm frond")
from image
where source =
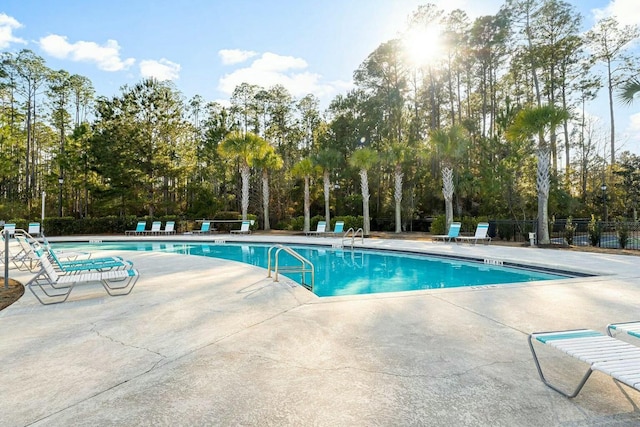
[(628, 91)]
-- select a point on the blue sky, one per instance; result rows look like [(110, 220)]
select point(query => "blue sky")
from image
[(207, 47)]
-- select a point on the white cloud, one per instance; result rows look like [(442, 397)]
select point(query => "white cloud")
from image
[(626, 12), (632, 133), (272, 69), (635, 123), (224, 102), (235, 56), (7, 25), (277, 63), (106, 57), (161, 70)]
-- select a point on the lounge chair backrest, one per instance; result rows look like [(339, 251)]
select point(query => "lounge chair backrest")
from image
[(481, 230), (205, 226), (46, 264), (141, 226), (11, 228), (155, 226), (53, 255), (34, 228), (245, 225), (322, 226), (24, 244), (454, 229), (169, 226), (339, 227)]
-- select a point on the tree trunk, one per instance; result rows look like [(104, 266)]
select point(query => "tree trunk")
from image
[(245, 173), (327, 189), (366, 226), (447, 192), (397, 195), (265, 199), (307, 208), (543, 182), (611, 114), (567, 145)]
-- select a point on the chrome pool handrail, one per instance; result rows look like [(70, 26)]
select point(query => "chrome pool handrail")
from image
[(306, 266)]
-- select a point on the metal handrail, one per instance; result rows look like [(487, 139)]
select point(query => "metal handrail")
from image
[(353, 236), (302, 269)]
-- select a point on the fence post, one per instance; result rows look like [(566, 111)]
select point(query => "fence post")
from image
[(5, 233)]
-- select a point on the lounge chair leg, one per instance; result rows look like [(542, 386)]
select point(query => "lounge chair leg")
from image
[(120, 290), (551, 386), (62, 297)]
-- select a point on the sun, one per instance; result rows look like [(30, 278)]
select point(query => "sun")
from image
[(423, 45)]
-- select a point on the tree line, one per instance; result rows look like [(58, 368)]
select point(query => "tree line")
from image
[(494, 125)]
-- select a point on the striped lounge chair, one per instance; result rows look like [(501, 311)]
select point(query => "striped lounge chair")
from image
[(618, 359)]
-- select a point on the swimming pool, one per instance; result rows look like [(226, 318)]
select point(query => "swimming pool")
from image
[(350, 272)]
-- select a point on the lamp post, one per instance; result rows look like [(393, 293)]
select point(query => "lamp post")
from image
[(603, 187), (60, 182), (44, 196)]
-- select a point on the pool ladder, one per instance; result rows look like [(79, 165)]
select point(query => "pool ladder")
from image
[(354, 234), (305, 265)]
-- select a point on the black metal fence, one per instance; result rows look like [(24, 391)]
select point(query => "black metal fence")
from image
[(577, 232)]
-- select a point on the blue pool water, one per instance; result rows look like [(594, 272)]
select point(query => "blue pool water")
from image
[(350, 272)]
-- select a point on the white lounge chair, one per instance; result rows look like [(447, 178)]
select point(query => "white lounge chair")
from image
[(616, 358), (23, 255), (11, 228), (28, 258), (481, 234), (50, 287), (90, 264), (321, 228), (454, 231), (34, 229), (169, 228), (155, 228), (630, 328), (244, 228)]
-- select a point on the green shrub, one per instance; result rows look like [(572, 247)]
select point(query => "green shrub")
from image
[(505, 231), (595, 231), (439, 225), (622, 230), (228, 215), (296, 223), (282, 225), (569, 231)]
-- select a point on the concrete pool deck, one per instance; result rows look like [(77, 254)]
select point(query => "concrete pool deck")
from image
[(202, 341)]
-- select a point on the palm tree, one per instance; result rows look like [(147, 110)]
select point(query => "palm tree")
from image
[(305, 169), (327, 159), (528, 123), (396, 155), (629, 90), (364, 159), (243, 148), (449, 145), (269, 160)]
